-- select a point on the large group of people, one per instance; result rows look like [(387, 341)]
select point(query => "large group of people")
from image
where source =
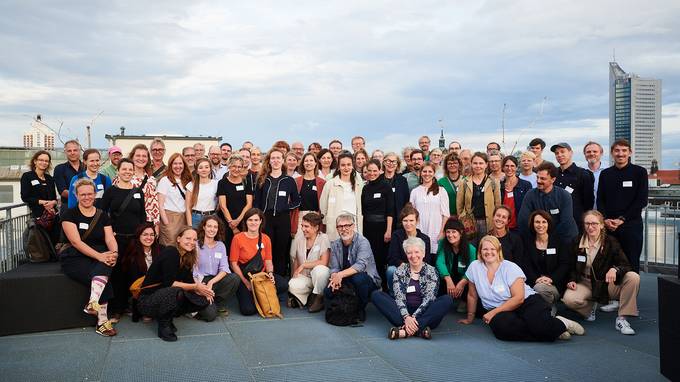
[(510, 239)]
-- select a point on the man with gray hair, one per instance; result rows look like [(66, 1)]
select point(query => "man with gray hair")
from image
[(200, 150), (352, 262)]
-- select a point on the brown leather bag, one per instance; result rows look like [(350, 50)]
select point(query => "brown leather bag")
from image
[(264, 294)]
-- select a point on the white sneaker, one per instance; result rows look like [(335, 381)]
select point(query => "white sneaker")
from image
[(611, 307), (591, 317), (565, 336), (623, 326), (573, 327)]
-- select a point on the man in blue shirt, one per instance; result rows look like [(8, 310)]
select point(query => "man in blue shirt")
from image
[(63, 173)]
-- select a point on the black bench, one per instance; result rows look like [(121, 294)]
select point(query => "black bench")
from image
[(39, 297)]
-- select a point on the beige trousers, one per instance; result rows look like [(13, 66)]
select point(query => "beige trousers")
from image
[(316, 282), (580, 301), (168, 232)]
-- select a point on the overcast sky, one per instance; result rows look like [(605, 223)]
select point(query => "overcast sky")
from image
[(315, 70)]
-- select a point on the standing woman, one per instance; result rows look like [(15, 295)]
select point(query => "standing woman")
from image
[(91, 252), (360, 159), (479, 196), (342, 194), (326, 164), (292, 165), (378, 155), (125, 205), (38, 191), (92, 163), (454, 257), (140, 253), (432, 202), (436, 156), (513, 190), (169, 289), (235, 197), (201, 194), (377, 205), (309, 186), (251, 252), (276, 196), (452, 180), (143, 179), (391, 165), (172, 193), (255, 161)]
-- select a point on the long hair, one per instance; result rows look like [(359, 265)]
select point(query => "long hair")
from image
[(201, 229), (266, 166), (189, 259), (434, 187), (301, 167), (321, 153), (600, 218), (196, 181), (149, 166), (35, 156), (185, 177), (452, 157), (353, 174), (463, 245), (135, 251)]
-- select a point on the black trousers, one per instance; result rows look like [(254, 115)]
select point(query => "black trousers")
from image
[(82, 269), (531, 321), (375, 233), (629, 235), (246, 302), (277, 227), (119, 280)]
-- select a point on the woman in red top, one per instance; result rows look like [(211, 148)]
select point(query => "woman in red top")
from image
[(251, 252), (513, 190)]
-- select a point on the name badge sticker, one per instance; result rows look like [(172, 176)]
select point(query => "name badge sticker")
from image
[(137, 195), (218, 255), (282, 193), (331, 199), (627, 183), (239, 187), (555, 211), (376, 195), (83, 226), (100, 187), (261, 245), (411, 289), (568, 189), (510, 194), (550, 251), (35, 182), (394, 189), (499, 288), (461, 265), (314, 188), (581, 259)]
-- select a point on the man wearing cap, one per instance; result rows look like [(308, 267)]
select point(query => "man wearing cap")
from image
[(111, 169), (577, 181)]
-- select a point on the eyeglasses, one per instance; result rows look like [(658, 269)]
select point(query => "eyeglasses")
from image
[(344, 226), (389, 161), (158, 150), (588, 224)]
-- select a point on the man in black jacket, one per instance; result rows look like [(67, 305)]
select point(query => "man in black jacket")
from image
[(577, 181)]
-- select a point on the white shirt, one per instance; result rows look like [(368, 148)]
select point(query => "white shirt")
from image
[(173, 198), (349, 199), (529, 178), (596, 175), (207, 196), (432, 209), (495, 294)]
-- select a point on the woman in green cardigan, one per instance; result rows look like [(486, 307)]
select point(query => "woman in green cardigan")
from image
[(453, 258), (452, 179)]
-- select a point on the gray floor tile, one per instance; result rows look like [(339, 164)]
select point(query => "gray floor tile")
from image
[(369, 369)]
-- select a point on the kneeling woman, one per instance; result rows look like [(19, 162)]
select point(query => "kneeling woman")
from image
[(251, 252), (169, 289), (309, 255), (415, 308), (515, 311), (92, 252)]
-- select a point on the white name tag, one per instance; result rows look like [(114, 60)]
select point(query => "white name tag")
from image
[(100, 187), (282, 193), (241, 188), (411, 289), (550, 251), (627, 183), (581, 259), (83, 226), (376, 195), (555, 211), (137, 195), (314, 188), (510, 194), (394, 189), (218, 255), (461, 265), (261, 245), (568, 189), (99, 194), (331, 199), (35, 182)]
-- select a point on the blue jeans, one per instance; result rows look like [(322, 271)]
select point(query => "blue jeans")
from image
[(389, 275), (363, 284), (196, 219), (432, 316)]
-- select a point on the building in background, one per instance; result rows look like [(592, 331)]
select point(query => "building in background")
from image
[(38, 136), (635, 114), (173, 143)]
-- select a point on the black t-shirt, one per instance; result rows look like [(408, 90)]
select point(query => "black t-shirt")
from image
[(124, 222), (309, 200), (272, 195), (345, 257), (235, 195), (96, 239), (165, 269), (478, 199)]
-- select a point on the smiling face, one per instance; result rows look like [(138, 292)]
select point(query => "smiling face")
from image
[(346, 229), (417, 161), (453, 236), (621, 155), (93, 162), (85, 195), (326, 160), (415, 256), (360, 160), (253, 223), (509, 169), (275, 160), (177, 166), (427, 174), (540, 225), (215, 156), (157, 151), (335, 148), (372, 172), (42, 162), (489, 253), (501, 219), (593, 225), (210, 229), (308, 230), (478, 166), (126, 171), (203, 170), (494, 163), (140, 159), (147, 238), (187, 241), (544, 182), (593, 154), (346, 166), (453, 167), (563, 155), (255, 156), (390, 163), (291, 162)]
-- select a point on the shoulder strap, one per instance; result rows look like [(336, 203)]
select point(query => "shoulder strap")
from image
[(180, 191), (126, 202), (94, 222)]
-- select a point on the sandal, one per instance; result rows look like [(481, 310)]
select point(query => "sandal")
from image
[(92, 308), (106, 329), (396, 333), (426, 333)]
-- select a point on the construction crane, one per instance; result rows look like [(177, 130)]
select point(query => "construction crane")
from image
[(503, 125), (532, 123)]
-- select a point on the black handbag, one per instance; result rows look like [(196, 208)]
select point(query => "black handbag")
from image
[(255, 264)]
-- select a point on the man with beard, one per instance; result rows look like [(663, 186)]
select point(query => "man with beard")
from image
[(413, 177)]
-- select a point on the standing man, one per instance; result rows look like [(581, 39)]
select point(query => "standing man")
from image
[(358, 143), (215, 156), (413, 177), (424, 144), (575, 180), (493, 146), (64, 172), (466, 158), (298, 149), (593, 152), (157, 155), (526, 167), (536, 146), (189, 155), (621, 196), (455, 147), (111, 169), (335, 147), (199, 149), (225, 149), (406, 155), (554, 200), (314, 148), (247, 145)]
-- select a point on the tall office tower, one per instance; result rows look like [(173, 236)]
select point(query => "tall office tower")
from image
[(635, 114)]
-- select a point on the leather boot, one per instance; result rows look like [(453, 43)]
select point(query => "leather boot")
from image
[(317, 303), (165, 331)]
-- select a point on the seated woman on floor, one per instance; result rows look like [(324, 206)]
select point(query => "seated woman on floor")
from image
[(309, 256), (515, 311), (140, 253), (415, 309), (454, 256), (91, 252), (169, 289)]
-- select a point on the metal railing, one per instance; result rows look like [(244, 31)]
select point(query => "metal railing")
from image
[(12, 225), (661, 238)]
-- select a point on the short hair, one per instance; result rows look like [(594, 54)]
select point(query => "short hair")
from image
[(358, 137), (235, 158), (391, 153), (498, 145), (408, 210), (82, 182), (157, 141), (252, 212), (281, 145), (226, 144), (549, 167), (35, 156), (436, 150), (424, 136), (88, 152), (313, 218), (537, 141), (315, 145), (592, 143), (416, 151), (503, 207), (198, 144), (527, 154), (334, 141), (494, 242), (71, 142), (459, 144), (414, 242), (184, 150), (620, 142), (545, 215), (511, 159), (345, 217), (125, 160)]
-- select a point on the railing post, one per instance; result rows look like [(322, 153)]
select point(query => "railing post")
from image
[(645, 239)]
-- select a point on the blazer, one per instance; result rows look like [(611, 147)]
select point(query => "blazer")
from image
[(331, 205), (491, 199), (557, 265)]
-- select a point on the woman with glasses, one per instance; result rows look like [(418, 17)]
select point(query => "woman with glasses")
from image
[(400, 193), (513, 190), (451, 180), (235, 197)]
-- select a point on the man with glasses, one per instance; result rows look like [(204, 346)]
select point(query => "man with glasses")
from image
[(199, 149), (215, 156), (157, 155), (352, 262), (455, 147), (111, 169), (189, 155), (493, 146), (424, 144), (417, 161)]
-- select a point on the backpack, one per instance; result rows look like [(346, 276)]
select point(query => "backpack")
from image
[(37, 243), (343, 309), (264, 295)]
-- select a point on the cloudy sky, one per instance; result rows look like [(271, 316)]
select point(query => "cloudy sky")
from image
[(311, 71)]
